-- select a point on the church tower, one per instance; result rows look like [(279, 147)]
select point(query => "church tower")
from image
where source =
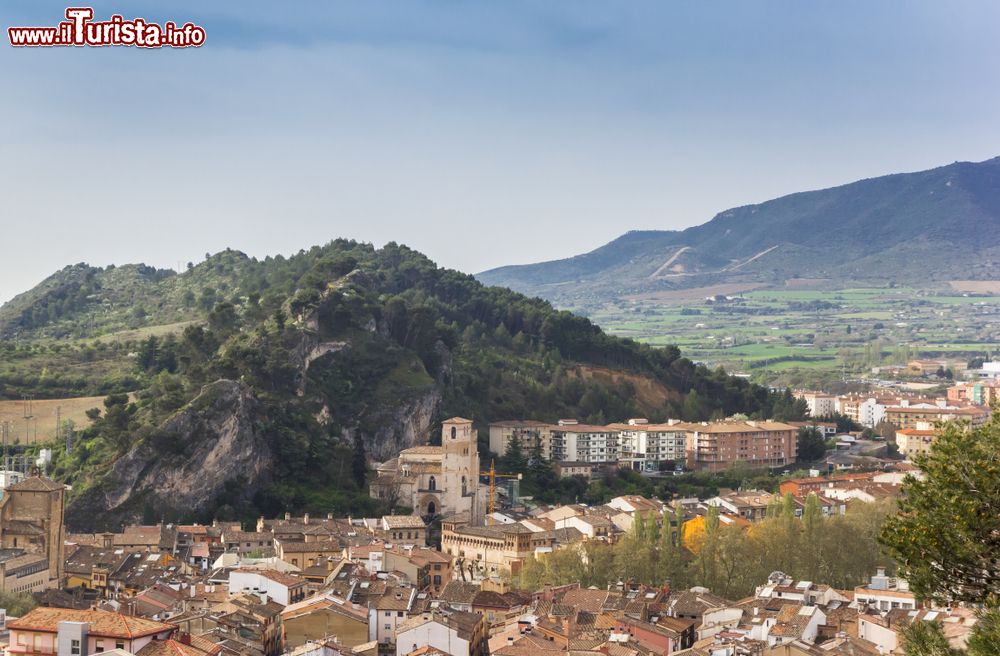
[(460, 467)]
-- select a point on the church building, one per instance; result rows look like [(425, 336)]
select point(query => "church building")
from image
[(436, 480)]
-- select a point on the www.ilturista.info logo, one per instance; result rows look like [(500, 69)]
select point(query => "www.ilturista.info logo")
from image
[(81, 30)]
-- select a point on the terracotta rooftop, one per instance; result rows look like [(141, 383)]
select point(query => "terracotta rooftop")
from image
[(193, 646), (102, 623), (585, 599), (309, 547), (403, 521), (424, 450)]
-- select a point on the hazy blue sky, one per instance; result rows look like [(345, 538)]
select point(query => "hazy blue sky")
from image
[(481, 133)]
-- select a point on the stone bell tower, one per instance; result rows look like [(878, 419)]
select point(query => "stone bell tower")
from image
[(460, 467)]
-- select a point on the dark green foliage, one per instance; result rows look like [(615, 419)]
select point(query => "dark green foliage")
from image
[(946, 537), (811, 444), (844, 423)]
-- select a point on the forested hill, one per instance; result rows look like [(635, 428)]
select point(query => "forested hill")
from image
[(302, 366)]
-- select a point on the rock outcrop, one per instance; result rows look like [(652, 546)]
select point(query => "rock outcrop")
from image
[(210, 445), (408, 424)]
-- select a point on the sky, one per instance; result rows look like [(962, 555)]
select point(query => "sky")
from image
[(480, 133)]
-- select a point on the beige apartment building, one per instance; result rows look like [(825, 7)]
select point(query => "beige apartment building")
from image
[(915, 441), (909, 415), (528, 432)]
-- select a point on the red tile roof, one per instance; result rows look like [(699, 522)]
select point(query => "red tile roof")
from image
[(102, 623)]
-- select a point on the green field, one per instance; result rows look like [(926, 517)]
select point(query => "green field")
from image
[(771, 332)]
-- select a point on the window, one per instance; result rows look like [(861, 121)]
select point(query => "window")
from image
[(388, 614), (454, 432), (100, 646), (399, 613), (119, 644), (74, 647), (388, 627)]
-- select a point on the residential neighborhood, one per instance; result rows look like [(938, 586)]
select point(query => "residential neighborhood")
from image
[(370, 586)]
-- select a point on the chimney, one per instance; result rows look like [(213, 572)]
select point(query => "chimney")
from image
[(184, 638), (260, 524), (193, 590), (329, 515), (305, 518), (288, 516)]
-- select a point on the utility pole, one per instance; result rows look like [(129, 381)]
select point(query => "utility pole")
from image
[(58, 421)]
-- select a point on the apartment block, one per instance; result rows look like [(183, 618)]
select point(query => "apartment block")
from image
[(643, 446), (715, 446)]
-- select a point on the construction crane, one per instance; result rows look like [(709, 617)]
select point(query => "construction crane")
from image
[(493, 475)]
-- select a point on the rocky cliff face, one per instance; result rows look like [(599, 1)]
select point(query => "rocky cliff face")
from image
[(406, 425), (211, 445)]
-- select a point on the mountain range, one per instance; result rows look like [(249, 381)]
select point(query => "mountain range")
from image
[(908, 228)]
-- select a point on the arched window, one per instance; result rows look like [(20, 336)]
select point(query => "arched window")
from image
[(432, 484), (431, 508), (454, 432), (463, 486)]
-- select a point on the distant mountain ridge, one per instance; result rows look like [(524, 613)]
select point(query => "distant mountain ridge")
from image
[(935, 225)]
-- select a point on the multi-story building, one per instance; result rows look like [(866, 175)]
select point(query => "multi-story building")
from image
[(820, 404), (405, 529), (578, 442), (865, 410), (324, 615), (886, 593), (908, 415), (717, 445), (445, 631), (528, 433), (974, 393), (486, 551), (283, 588), (915, 441), (644, 446), (566, 469)]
